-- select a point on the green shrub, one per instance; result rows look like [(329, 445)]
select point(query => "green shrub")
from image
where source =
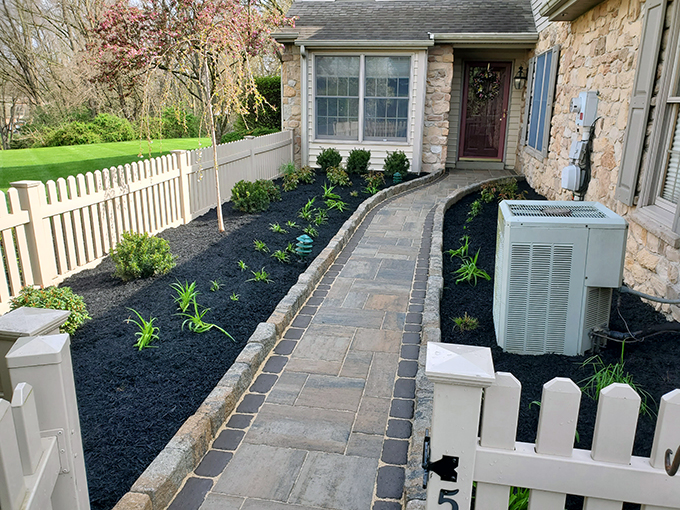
[(270, 188), (328, 158), (374, 179), (287, 168), (248, 197), (396, 162), (55, 298), (306, 175), (357, 161), (337, 176), (290, 181), (266, 115), (74, 133), (232, 136), (179, 123), (112, 128), (141, 256)]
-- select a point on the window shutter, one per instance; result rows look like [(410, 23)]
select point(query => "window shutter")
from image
[(554, 61), (643, 85), (528, 98)]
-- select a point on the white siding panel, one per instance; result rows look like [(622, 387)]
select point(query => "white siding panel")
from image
[(514, 121), (541, 21), (454, 112)]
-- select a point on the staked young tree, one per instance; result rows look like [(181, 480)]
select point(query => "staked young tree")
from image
[(205, 45)]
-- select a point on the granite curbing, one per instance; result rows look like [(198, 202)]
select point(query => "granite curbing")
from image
[(413, 486), (160, 481)]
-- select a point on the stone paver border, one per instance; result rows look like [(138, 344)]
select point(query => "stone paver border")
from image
[(413, 487), (161, 480)]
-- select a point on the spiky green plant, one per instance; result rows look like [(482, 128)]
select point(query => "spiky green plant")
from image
[(461, 252), (260, 246), (215, 285), (310, 231), (147, 331), (260, 276), (242, 265), (281, 256), (277, 229), (469, 272), (307, 210), (466, 322), (196, 323), (292, 224), (328, 193), (234, 296), (321, 217), (186, 294), (336, 204)]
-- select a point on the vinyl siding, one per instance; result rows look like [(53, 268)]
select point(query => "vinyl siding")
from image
[(541, 21)]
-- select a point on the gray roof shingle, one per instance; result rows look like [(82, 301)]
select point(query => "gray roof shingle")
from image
[(390, 20)]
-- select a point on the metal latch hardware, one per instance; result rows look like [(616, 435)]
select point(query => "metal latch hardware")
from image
[(444, 467)]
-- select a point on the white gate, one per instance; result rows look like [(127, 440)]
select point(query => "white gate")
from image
[(468, 393)]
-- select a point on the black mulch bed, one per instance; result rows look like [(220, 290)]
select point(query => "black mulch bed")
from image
[(654, 363), (131, 403)]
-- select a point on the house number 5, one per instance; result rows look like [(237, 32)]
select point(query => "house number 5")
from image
[(443, 493)]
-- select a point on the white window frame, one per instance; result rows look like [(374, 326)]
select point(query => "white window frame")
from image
[(543, 111), (362, 85), (651, 204)]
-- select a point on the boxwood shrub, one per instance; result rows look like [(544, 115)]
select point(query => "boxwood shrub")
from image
[(141, 256)]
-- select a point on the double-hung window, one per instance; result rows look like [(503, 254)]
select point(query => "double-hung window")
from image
[(540, 94), (362, 97)]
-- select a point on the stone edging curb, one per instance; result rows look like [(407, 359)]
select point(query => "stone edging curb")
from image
[(161, 480), (431, 332)]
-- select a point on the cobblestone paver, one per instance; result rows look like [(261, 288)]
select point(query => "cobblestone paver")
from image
[(326, 423)]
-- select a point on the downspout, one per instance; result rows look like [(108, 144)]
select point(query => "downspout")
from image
[(304, 150)]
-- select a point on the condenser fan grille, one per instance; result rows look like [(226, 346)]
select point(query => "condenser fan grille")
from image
[(553, 211)]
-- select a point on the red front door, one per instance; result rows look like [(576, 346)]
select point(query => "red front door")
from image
[(486, 90)]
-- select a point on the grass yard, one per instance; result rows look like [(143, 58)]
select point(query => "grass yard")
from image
[(45, 163)]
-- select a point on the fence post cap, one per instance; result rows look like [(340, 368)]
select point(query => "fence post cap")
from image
[(28, 321), (21, 394), (25, 184), (32, 351), (462, 365)]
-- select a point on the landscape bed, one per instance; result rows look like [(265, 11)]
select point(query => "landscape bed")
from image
[(132, 402), (654, 363)]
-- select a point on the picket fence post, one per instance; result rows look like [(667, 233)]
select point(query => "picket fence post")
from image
[(25, 321), (181, 159), (38, 234), (44, 362), (459, 373)]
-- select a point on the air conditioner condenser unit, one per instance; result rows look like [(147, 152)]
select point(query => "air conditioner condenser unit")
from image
[(556, 266)]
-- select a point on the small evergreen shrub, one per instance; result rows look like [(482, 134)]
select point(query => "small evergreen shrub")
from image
[(270, 188), (55, 298), (248, 197), (396, 162), (141, 256), (328, 158), (357, 162), (337, 176)]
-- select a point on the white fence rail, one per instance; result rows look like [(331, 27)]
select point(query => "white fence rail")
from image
[(51, 231), (607, 475), (41, 453)]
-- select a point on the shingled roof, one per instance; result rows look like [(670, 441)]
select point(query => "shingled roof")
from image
[(406, 20)]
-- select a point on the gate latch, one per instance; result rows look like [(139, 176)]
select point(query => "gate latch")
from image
[(444, 467)]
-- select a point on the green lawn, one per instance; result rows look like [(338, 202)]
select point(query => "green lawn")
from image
[(47, 163)]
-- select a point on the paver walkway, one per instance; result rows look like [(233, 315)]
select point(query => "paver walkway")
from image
[(326, 424)]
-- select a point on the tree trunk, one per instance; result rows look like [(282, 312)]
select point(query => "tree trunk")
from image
[(220, 220)]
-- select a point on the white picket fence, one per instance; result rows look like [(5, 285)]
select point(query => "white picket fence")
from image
[(41, 452), (51, 231), (468, 393)]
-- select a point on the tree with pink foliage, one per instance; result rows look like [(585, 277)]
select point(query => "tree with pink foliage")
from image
[(205, 45)]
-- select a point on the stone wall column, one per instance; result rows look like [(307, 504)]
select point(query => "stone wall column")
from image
[(291, 102), (437, 106)]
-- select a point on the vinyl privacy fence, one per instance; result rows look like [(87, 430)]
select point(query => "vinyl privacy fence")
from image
[(469, 397), (49, 231)]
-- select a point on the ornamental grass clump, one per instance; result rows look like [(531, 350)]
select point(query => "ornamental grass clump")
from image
[(141, 256), (54, 298)]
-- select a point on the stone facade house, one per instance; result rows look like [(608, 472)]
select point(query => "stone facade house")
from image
[(440, 80)]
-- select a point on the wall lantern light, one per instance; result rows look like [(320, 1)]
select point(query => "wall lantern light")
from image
[(520, 78)]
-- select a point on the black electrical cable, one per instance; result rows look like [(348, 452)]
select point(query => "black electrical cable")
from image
[(587, 165)]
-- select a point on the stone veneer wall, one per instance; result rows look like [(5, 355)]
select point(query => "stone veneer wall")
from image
[(437, 105), (598, 51), (291, 102)]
